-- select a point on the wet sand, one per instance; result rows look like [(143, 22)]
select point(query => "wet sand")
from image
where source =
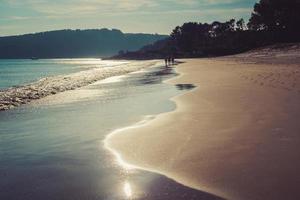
[(236, 135), (52, 149)]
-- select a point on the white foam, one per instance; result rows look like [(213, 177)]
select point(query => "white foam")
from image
[(113, 79)]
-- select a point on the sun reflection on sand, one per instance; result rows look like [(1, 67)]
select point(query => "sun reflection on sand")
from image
[(119, 160), (127, 190)]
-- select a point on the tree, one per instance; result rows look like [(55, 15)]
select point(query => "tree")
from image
[(276, 15), (186, 37), (230, 25), (240, 24), (219, 28)]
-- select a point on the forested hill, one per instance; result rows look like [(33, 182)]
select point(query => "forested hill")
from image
[(271, 22), (73, 43)]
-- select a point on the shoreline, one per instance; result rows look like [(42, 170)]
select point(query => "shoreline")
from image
[(78, 145), (130, 166), (147, 119), (226, 164)]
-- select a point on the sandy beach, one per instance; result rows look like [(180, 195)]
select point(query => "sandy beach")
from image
[(236, 135)]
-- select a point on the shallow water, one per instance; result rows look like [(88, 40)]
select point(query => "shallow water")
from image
[(53, 149), (16, 72)]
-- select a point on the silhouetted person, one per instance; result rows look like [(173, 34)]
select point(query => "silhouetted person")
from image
[(166, 62), (169, 60), (173, 60)]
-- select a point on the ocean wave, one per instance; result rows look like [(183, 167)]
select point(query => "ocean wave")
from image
[(16, 96)]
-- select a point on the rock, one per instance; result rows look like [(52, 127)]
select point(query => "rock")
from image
[(15, 104), (5, 102), (16, 99), (10, 106)]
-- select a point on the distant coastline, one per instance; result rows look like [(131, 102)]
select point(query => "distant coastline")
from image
[(94, 43)]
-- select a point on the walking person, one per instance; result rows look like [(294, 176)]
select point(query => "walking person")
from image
[(166, 62), (169, 60)]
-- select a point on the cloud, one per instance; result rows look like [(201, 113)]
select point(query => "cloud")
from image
[(92, 6), (125, 14), (203, 2), (15, 18), (185, 2), (83, 6), (219, 1), (63, 9), (18, 18)]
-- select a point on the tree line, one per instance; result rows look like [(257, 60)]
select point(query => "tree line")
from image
[(272, 21)]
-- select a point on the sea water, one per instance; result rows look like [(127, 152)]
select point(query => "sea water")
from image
[(53, 148), (17, 72)]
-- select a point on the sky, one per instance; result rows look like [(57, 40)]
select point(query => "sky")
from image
[(130, 16)]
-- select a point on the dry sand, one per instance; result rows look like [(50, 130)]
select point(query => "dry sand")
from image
[(237, 135)]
